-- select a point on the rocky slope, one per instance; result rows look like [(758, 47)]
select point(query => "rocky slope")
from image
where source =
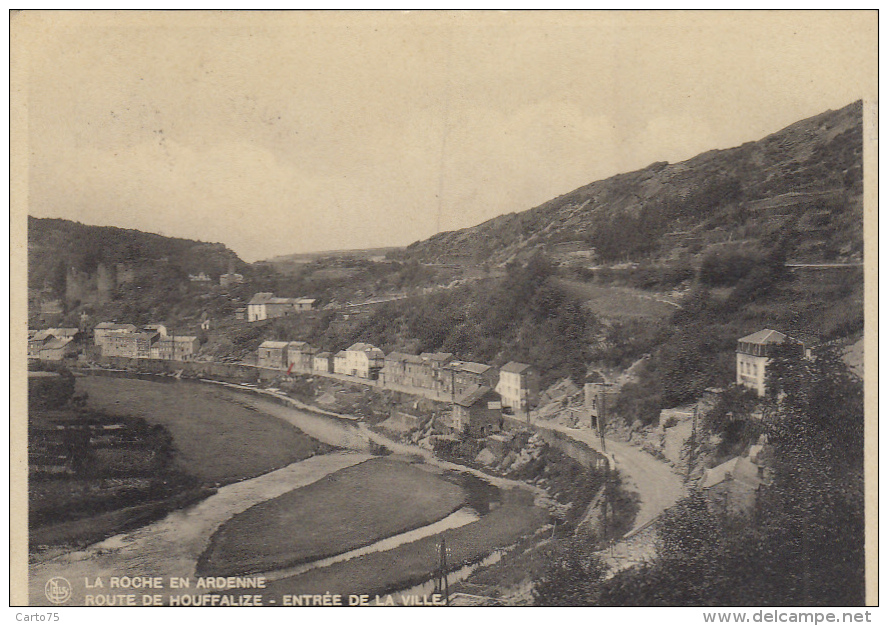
[(801, 185)]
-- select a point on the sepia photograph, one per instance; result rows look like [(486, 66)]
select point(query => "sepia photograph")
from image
[(445, 308)]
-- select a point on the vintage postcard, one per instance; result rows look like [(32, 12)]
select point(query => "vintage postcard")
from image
[(445, 308)]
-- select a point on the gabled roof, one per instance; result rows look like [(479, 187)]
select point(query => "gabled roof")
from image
[(261, 298), (341, 354), (764, 337), (363, 347), (64, 332), (275, 345), (739, 468), (514, 367), (298, 345), (57, 342), (115, 326), (475, 395), (472, 367), (323, 355), (184, 339)]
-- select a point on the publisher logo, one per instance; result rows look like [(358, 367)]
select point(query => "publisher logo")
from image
[(58, 590)]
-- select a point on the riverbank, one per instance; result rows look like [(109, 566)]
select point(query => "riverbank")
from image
[(172, 546), (352, 508)]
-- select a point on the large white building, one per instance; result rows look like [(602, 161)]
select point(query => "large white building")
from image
[(753, 356), (363, 360), (265, 305), (518, 386)]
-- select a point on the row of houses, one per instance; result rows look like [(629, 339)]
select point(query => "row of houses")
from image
[(437, 374), (53, 344), (148, 342)]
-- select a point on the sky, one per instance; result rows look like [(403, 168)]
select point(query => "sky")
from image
[(279, 133)]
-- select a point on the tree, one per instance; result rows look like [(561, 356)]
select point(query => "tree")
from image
[(803, 543), (573, 576)]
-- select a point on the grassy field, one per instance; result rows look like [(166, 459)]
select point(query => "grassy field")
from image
[(216, 440), (351, 508), (414, 563), (619, 302)]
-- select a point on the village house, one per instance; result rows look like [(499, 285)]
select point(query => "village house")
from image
[(460, 377), (36, 340), (57, 348), (519, 386), (434, 369), (406, 370), (597, 399), (104, 329), (299, 356), (478, 413), (394, 369), (753, 356), (322, 362), (160, 328), (363, 360), (340, 363), (132, 345), (256, 306), (273, 354), (175, 348), (733, 486), (52, 344), (265, 305)]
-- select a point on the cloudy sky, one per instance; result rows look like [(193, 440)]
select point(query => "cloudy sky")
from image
[(277, 133)]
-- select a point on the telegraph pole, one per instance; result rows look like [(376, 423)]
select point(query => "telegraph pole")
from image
[(693, 449), (441, 584), (601, 418)]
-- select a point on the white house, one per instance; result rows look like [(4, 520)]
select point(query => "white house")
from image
[(265, 305), (518, 386), (753, 356), (363, 360), (256, 307)]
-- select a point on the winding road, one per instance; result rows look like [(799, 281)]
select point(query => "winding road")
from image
[(657, 485)]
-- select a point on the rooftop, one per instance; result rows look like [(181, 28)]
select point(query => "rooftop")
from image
[(474, 368), (739, 468), (764, 337), (274, 345), (514, 367), (261, 298), (474, 395)]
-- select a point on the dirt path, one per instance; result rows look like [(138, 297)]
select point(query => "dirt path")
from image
[(171, 546)]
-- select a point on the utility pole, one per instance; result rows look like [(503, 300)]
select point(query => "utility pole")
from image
[(441, 584), (601, 418), (692, 452)]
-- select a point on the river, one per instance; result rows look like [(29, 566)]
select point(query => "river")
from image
[(170, 547)]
